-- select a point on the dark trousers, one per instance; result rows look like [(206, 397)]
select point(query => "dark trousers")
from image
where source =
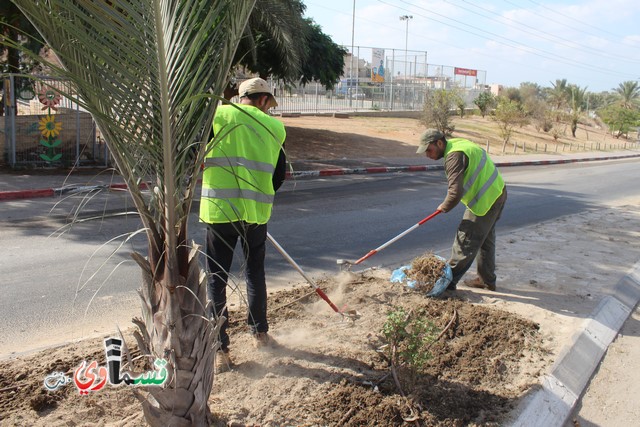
[(476, 240), (221, 241)]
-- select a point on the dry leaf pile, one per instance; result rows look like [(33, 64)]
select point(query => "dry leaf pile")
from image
[(426, 269)]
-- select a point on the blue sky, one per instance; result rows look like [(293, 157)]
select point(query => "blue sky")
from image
[(592, 43)]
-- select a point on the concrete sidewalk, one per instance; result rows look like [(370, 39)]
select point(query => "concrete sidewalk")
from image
[(15, 185)]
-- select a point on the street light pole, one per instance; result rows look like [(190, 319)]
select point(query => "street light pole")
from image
[(406, 52), (406, 42), (353, 30)]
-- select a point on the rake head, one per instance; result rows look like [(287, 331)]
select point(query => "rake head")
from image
[(344, 264)]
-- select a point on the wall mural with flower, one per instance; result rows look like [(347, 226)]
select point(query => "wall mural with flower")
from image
[(49, 128)]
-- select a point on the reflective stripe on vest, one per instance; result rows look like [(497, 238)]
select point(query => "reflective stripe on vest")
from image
[(237, 193), (484, 189), (239, 161)]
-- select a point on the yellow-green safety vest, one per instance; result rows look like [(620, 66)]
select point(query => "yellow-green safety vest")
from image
[(239, 165), (483, 183)]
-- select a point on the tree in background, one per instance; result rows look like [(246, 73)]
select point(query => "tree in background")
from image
[(620, 120), (529, 90), (577, 106), (531, 99), (485, 101), (508, 114), (540, 114), (437, 109), (512, 93), (598, 100), (459, 102), (144, 70), (273, 42), (16, 27), (627, 94), (280, 43), (620, 110), (557, 96), (324, 59)]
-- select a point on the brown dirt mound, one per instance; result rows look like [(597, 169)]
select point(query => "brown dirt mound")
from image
[(323, 370)]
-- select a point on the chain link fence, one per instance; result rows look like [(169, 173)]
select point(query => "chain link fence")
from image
[(376, 79)]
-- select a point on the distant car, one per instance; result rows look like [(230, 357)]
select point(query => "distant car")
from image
[(359, 95)]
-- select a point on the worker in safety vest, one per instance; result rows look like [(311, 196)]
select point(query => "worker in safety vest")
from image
[(244, 166), (475, 181)]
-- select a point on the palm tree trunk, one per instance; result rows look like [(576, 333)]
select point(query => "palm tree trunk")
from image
[(189, 345)]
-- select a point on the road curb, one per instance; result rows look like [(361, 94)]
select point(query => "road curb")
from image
[(49, 192), (563, 161), (355, 171), (554, 402)]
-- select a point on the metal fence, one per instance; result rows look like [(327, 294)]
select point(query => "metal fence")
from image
[(46, 129), (315, 98), (42, 128), (375, 79)]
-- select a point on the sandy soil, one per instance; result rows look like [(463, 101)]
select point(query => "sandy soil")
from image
[(328, 138), (611, 398), (326, 371)]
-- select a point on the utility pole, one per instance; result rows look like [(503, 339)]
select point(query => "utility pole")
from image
[(353, 30), (406, 52)]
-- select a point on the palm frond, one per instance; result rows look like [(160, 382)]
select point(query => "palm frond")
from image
[(277, 30), (143, 69)]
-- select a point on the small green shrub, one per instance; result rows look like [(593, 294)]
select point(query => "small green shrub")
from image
[(407, 336)]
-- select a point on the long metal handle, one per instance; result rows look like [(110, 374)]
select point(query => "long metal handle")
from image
[(295, 265), (398, 237)]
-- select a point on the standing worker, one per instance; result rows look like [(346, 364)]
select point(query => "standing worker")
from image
[(244, 167), (474, 180)]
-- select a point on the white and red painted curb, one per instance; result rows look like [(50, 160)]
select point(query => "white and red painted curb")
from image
[(50, 192), (422, 168), (352, 171)]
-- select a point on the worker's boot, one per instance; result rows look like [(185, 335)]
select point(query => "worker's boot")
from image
[(262, 340), (478, 283)]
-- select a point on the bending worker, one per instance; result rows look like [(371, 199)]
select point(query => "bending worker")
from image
[(475, 181), (244, 167)]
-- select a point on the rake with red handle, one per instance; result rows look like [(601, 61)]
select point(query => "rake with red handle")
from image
[(398, 237), (350, 314)]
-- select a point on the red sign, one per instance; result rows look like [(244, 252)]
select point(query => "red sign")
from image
[(465, 72)]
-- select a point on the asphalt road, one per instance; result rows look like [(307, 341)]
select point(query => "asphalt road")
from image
[(57, 287)]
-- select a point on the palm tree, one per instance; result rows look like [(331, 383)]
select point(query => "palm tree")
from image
[(557, 96), (143, 69), (279, 43), (275, 40), (628, 94), (577, 98)]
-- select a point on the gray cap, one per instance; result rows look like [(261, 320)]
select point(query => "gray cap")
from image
[(428, 137)]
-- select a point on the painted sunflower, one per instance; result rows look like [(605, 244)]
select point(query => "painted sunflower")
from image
[(49, 127), (49, 97)]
